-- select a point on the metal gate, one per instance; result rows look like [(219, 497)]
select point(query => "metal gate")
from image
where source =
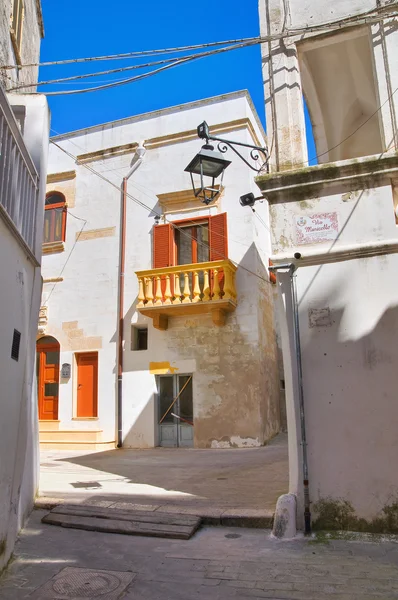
[(175, 411)]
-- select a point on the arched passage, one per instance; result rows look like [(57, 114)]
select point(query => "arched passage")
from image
[(48, 378)]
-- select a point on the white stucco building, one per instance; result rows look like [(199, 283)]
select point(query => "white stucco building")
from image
[(197, 320), (335, 224), (24, 134)]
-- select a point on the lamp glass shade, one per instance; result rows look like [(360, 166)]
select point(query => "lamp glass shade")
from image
[(209, 163)]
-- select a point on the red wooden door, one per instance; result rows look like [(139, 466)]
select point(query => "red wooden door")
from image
[(48, 380), (87, 384)]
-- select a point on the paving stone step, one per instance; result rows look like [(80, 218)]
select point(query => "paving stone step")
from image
[(86, 510), (215, 516), (108, 520)]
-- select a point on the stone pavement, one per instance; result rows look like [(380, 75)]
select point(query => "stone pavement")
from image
[(216, 564), (216, 484)]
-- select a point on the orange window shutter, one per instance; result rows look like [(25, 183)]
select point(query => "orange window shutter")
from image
[(162, 246), (163, 251), (218, 237), (218, 243)]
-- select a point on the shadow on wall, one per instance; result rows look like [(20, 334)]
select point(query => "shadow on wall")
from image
[(350, 404)]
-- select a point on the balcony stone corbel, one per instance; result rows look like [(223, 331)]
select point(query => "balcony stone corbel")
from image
[(218, 316), (160, 321)]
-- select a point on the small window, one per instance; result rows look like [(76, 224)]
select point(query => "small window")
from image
[(54, 218), (16, 27), (139, 338), (192, 243), (16, 341)]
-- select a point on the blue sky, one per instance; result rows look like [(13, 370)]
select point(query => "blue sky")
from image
[(79, 28)]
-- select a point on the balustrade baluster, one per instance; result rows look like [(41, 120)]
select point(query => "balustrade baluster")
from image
[(149, 291), (177, 290), (234, 285), (228, 291), (216, 286), (158, 293), (141, 293), (167, 293), (196, 287), (187, 291), (206, 287)]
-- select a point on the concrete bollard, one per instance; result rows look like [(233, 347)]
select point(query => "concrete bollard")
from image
[(285, 517)]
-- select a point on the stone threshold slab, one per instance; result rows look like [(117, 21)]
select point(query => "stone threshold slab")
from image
[(111, 520), (214, 515)]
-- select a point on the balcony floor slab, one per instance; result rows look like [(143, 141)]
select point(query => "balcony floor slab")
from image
[(160, 313)]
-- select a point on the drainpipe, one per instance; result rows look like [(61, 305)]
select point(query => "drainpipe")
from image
[(137, 160), (307, 513)]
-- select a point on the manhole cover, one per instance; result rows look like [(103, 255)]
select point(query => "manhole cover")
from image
[(79, 584), (233, 536)]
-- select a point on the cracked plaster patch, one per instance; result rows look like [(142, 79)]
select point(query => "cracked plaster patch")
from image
[(236, 442)]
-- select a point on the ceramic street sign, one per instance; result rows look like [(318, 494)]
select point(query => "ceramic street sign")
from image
[(315, 229)]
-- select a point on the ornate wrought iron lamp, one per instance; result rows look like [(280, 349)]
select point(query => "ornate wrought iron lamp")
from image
[(210, 164)]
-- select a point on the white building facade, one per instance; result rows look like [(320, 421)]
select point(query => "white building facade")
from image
[(24, 135), (198, 352), (334, 236)]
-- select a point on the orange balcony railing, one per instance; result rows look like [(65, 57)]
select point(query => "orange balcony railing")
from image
[(187, 289)]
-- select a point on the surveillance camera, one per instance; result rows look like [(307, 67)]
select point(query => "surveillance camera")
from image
[(247, 200), (297, 255)]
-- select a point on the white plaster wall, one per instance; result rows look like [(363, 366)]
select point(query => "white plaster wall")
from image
[(20, 287), (349, 371), (310, 12), (349, 385), (20, 291), (88, 293), (364, 216), (349, 364)]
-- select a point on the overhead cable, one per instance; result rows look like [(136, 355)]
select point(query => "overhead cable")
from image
[(127, 55), (96, 74), (177, 62), (129, 68), (366, 17), (69, 255), (147, 208)]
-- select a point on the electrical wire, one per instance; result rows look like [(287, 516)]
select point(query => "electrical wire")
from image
[(96, 74), (69, 255), (177, 62), (130, 55), (342, 24), (262, 221), (150, 210), (153, 194), (181, 229), (353, 18)]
